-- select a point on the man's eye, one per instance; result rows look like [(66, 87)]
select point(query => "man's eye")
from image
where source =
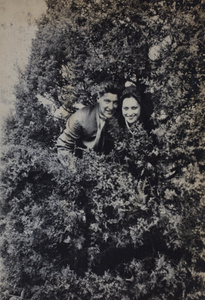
[(134, 107), (125, 108)]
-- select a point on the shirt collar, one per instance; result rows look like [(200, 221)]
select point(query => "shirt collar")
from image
[(101, 116)]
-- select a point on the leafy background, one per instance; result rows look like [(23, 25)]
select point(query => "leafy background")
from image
[(101, 232)]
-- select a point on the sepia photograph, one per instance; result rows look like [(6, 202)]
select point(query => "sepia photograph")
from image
[(102, 148)]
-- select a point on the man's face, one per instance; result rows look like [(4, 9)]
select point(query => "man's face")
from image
[(108, 104)]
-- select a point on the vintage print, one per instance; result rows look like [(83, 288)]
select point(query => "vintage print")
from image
[(102, 150)]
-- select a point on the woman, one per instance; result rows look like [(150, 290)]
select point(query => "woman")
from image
[(131, 108), (133, 144)]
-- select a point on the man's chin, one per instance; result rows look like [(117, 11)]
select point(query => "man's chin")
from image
[(108, 115)]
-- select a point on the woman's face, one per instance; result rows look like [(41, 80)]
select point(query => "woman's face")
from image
[(131, 110)]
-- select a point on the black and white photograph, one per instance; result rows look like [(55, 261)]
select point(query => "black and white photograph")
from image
[(102, 148)]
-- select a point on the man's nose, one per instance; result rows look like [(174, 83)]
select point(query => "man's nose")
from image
[(110, 105)]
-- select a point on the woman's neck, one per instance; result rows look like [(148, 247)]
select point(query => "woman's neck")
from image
[(130, 127)]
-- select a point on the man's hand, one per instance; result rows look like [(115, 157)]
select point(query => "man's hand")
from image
[(62, 113), (67, 160)]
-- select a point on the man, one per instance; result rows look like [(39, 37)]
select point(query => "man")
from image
[(86, 128)]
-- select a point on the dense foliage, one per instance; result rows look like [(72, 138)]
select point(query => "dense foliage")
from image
[(108, 229)]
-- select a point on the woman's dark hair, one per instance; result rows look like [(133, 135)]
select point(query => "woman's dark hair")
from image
[(131, 91)]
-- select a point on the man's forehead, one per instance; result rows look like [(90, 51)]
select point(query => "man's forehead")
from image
[(110, 96)]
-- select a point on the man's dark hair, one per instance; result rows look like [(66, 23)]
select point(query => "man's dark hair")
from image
[(112, 90), (108, 83)]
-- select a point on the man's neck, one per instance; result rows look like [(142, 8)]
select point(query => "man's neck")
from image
[(101, 116)]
